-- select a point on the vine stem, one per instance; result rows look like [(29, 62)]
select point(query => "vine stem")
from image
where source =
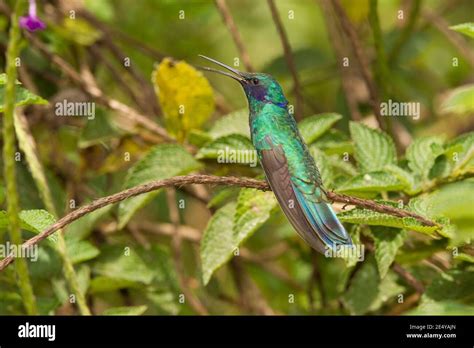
[(179, 181), (13, 51)]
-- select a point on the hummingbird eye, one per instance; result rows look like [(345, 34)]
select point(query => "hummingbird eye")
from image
[(255, 81)]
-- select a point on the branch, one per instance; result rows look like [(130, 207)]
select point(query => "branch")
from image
[(289, 59), (362, 59), (229, 22), (179, 181)]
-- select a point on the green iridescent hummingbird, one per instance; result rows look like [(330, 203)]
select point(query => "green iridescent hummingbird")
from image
[(288, 165)]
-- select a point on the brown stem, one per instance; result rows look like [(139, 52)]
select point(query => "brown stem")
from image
[(179, 181), (337, 42), (289, 59), (362, 60), (229, 22)]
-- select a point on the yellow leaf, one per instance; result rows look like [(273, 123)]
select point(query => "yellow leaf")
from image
[(185, 96)]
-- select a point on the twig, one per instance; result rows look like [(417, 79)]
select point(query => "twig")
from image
[(194, 302), (229, 22), (179, 181), (362, 59), (406, 32), (336, 39), (289, 59)]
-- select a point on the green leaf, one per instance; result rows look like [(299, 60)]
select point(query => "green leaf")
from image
[(253, 210), (367, 292), (421, 154), (35, 221), (98, 130), (217, 243), (373, 182), (461, 152), (234, 123), (132, 310), (81, 250), (450, 293), (22, 95), (230, 149), (405, 178), (106, 284), (370, 217), (387, 242), (373, 148), (334, 142), (324, 166), (459, 101), (231, 226), (464, 28), (123, 263), (161, 162), (311, 128)]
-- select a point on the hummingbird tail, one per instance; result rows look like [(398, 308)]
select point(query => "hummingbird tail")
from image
[(313, 219)]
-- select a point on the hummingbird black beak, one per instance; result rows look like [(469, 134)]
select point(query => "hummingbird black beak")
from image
[(239, 76)]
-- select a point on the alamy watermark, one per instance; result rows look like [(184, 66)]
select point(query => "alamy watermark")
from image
[(405, 109), (78, 109), (229, 155), (354, 251), (17, 251)]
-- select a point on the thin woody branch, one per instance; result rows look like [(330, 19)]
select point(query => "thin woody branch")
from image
[(179, 181)]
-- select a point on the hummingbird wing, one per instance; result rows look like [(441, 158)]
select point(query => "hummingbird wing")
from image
[(311, 216)]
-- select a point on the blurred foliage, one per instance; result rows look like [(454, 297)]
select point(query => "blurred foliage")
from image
[(234, 241)]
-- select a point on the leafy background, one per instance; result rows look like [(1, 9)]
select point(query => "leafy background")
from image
[(235, 253)]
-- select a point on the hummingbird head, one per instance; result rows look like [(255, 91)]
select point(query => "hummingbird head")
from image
[(259, 88)]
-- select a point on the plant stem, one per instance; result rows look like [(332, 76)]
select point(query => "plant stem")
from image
[(28, 146), (13, 51)]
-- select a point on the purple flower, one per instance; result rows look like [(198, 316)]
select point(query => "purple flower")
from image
[(32, 22)]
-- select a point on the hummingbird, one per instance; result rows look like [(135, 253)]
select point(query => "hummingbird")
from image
[(288, 165)]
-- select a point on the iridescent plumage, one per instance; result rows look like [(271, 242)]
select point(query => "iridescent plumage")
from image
[(288, 165)]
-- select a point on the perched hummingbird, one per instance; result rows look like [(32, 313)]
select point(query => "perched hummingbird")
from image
[(288, 165)]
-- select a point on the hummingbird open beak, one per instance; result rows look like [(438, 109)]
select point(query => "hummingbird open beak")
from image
[(238, 75)]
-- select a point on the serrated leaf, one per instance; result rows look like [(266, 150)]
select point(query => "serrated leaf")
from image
[(324, 166), (371, 183), (405, 178), (217, 243), (236, 122), (421, 154), (311, 128), (387, 242), (161, 162), (132, 310), (185, 96), (231, 226), (22, 95), (35, 221), (464, 28), (373, 149), (370, 217), (232, 148), (252, 211), (459, 101), (123, 263)]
